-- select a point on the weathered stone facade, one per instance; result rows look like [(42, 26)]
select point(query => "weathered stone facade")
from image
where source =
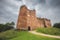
[(27, 20)]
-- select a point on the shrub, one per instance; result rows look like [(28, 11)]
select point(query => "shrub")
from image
[(57, 25), (52, 31), (7, 26), (7, 35)]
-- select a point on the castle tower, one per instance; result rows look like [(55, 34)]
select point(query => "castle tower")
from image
[(22, 18), (26, 19)]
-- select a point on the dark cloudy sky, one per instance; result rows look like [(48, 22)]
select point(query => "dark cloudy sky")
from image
[(9, 9)]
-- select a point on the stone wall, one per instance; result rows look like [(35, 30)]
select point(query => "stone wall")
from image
[(44, 22), (27, 20)]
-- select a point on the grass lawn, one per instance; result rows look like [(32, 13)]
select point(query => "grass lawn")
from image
[(24, 35), (51, 31)]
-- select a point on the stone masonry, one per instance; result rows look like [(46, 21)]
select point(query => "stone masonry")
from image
[(27, 20)]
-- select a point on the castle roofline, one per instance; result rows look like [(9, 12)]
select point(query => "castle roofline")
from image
[(24, 6), (43, 19), (27, 8), (46, 19)]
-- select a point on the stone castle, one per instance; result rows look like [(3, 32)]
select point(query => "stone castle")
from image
[(27, 20)]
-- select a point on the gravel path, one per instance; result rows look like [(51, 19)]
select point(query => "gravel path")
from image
[(34, 32)]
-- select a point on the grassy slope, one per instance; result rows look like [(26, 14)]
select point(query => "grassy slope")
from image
[(52, 31), (23, 35), (7, 35)]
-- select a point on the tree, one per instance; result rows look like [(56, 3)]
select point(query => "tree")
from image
[(12, 23), (1, 27), (57, 25), (7, 26)]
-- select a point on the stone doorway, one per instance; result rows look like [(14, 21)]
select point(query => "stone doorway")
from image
[(29, 28)]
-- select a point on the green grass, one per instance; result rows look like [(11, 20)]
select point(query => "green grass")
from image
[(51, 31), (22, 35), (7, 35)]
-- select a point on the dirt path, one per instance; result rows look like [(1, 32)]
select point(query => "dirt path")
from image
[(34, 32)]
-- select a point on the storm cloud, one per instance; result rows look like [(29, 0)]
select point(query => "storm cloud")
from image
[(9, 9)]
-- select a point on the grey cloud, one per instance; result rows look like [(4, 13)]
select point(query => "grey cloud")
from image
[(44, 8), (50, 10), (55, 3), (36, 2), (7, 11), (18, 0)]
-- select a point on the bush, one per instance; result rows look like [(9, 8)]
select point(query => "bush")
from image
[(7, 26), (52, 31), (7, 35), (57, 25)]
